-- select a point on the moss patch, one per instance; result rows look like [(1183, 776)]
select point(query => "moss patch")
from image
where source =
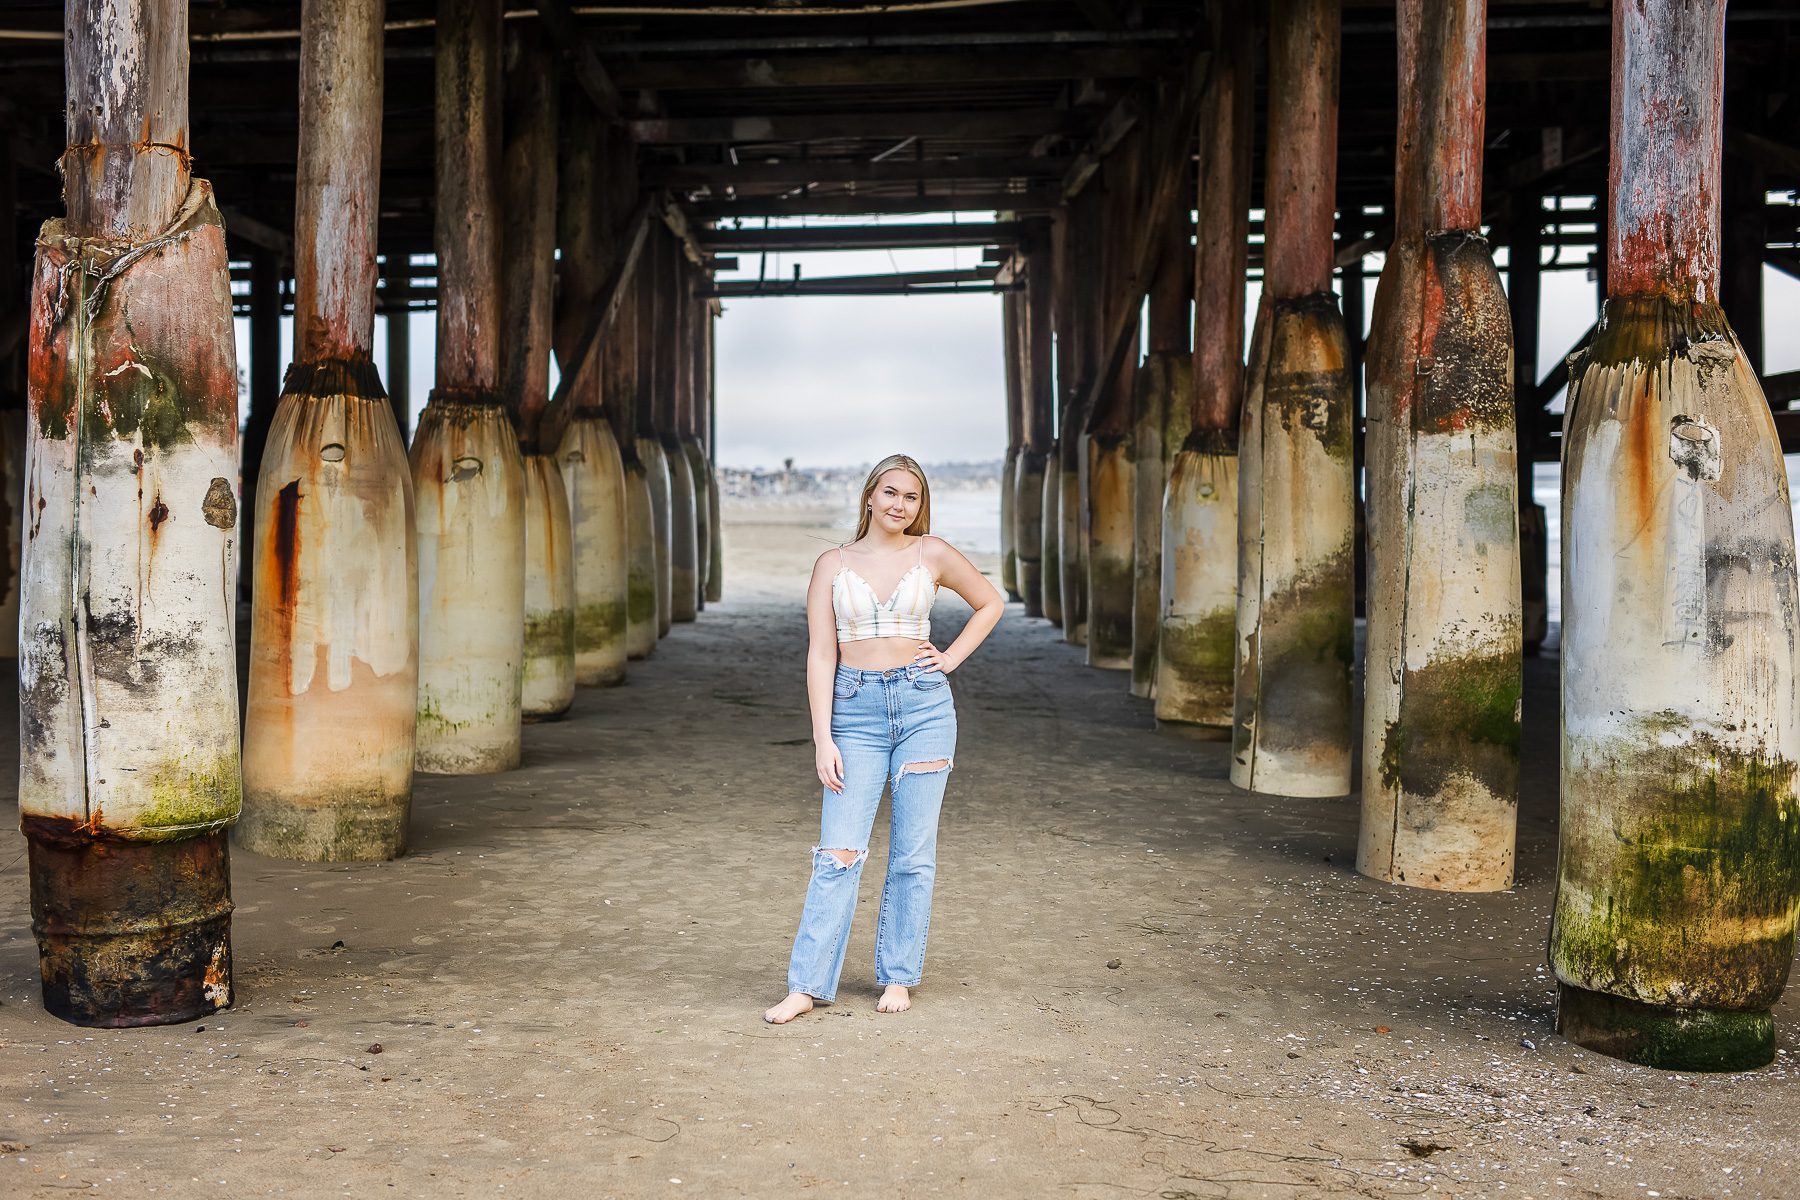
[(1458, 716), (1672, 1039), (185, 794), (344, 824), (432, 719), (549, 634), (1679, 870), (599, 625), (1307, 643)]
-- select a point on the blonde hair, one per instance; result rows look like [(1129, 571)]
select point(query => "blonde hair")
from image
[(895, 462)]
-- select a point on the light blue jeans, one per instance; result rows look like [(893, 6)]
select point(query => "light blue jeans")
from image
[(885, 723)]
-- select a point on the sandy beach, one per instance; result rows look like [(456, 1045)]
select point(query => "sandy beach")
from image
[(1140, 981)]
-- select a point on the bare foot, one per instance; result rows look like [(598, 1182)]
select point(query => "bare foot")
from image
[(894, 999), (787, 1010)]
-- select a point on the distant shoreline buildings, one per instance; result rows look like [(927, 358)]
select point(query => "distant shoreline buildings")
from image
[(837, 484)]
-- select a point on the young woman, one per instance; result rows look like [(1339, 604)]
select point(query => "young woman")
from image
[(881, 712)]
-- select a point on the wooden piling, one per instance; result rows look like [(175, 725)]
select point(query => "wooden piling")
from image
[(593, 470), (684, 524), (1198, 595), (1109, 467), (1523, 289), (1296, 515), (1037, 411), (1160, 421), (468, 474), (1440, 764), (330, 717), (527, 290), (1678, 875), (698, 339), (129, 764), (1012, 355)]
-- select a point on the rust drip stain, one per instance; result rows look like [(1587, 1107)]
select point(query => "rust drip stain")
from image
[(1643, 433), (285, 562), (159, 512)]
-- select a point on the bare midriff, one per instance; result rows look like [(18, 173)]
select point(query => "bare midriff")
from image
[(878, 654)]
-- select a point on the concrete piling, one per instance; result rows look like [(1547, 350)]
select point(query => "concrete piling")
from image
[(1296, 512), (1440, 765), (128, 568), (1678, 875), (593, 471), (1195, 656), (468, 474)]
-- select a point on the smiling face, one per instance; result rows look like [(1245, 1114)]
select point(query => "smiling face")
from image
[(895, 500)]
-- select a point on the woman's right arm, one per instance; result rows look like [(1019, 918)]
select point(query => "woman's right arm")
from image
[(821, 672)]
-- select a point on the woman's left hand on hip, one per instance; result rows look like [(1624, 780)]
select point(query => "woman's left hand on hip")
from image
[(931, 657)]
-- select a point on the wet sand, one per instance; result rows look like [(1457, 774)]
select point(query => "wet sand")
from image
[(1140, 982)]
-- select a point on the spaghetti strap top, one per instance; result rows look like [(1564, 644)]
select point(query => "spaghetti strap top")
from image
[(861, 614)]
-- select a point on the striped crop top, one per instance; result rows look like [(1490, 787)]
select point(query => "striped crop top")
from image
[(860, 615)]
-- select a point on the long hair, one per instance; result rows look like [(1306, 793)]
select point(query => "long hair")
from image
[(902, 462)]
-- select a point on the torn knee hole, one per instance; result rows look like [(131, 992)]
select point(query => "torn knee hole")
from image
[(845, 859), (923, 768)]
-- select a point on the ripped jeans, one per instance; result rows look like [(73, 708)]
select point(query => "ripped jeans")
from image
[(897, 725)]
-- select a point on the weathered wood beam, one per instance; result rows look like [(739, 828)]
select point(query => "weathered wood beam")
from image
[(813, 127), (718, 176), (612, 292), (677, 223), (1558, 377), (868, 69), (241, 226), (1171, 158), (863, 237), (1119, 121), (843, 204), (584, 61), (899, 283)]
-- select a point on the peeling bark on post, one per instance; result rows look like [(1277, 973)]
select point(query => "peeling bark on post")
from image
[(468, 474), (528, 280), (1678, 874), (1440, 766), (1296, 514), (330, 717), (129, 766), (1195, 658), (593, 470)]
